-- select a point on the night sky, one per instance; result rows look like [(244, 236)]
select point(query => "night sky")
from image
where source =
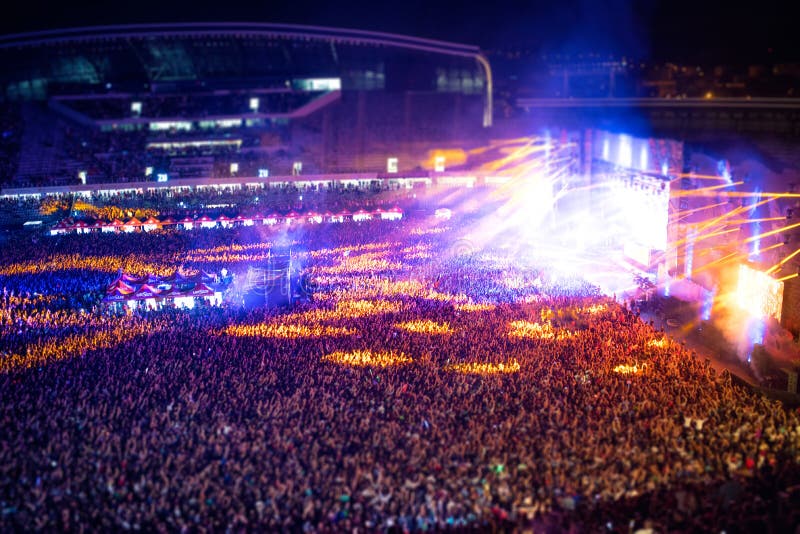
[(680, 30)]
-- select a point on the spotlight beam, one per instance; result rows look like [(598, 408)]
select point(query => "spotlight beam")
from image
[(746, 194), (720, 261), (699, 176), (711, 224), (714, 234), (731, 213), (771, 232), (777, 266), (747, 221), (703, 190), (772, 247), (685, 213)]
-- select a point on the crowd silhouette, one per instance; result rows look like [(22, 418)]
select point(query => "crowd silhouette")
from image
[(416, 389)]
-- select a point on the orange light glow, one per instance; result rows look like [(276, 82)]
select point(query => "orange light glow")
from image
[(477, 368), (108, 264), (287, 331), (367, 358), (759, 294), (364, 308), (780, 264), (77, 344), (425, 326), (351, 249), (597, 308), (771, 232), (453, 156), (526, 329), (625, 369), (470, 307)]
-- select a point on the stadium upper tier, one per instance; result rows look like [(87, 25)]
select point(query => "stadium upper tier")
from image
[(131, 103), (166, 57)]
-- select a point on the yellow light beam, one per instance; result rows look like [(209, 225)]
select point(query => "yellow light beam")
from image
[(766, 219), (732, 213), (787, 277), (746, 194), (695, 210), (702, 251), (780, 264), (714, 222), (714, 234), (719, 261), (772, 247), (516, 154), (700, 176), (771, 232), (702, 190)]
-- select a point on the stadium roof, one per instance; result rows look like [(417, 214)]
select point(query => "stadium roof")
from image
[(41, 63), (238, 29)]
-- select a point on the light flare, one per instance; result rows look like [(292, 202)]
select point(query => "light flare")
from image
[(368, 358), (478, 368), (626, 369), (426, 326)]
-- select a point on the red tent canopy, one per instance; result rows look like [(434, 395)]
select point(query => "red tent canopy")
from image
[(187, 220), (200, 290), (152, 220), (121, 287), (133, 221), (168, 220), (132, 279), (146, 292)]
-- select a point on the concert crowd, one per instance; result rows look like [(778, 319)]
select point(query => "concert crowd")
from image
[(417, 386)]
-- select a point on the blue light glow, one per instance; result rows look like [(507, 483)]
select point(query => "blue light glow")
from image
[(756, 226), (708, 305), (690, 252), (724, 170), (625, 158), (757, 331), (755, 334)]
